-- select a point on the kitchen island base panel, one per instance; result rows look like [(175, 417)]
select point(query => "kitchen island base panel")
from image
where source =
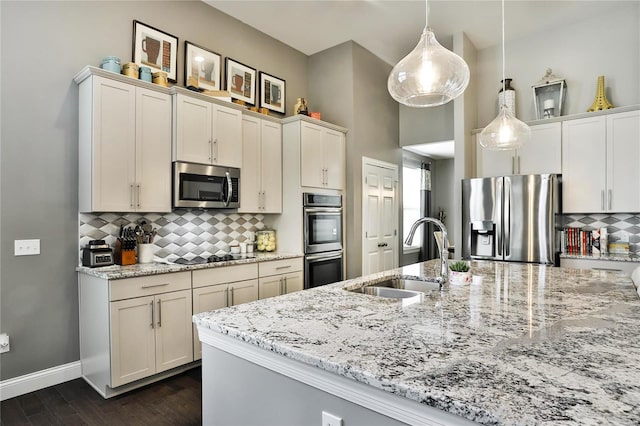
[(285, 391)]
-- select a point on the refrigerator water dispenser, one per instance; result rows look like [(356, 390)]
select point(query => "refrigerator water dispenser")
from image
[(482, 239)]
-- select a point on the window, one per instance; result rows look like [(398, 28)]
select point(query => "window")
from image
[(411, 180)]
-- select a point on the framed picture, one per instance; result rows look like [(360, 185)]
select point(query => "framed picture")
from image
[(155, 49), (201, 67), (241, 81), (272, 92)]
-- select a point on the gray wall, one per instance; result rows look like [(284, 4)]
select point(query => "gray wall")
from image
[(44, 44), (350, 83)]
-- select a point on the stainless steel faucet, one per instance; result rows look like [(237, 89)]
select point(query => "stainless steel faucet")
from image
[(444, 254)]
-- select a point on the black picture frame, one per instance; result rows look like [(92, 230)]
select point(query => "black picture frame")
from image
[(240, 81), (272, 92), (155, 49), (203, 74)]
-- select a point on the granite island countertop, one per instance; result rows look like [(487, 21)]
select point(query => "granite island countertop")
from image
[(523, 344)]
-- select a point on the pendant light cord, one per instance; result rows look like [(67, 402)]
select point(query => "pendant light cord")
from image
[(426, 14), (504, 94)]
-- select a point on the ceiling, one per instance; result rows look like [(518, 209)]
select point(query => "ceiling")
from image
[(390, 28)]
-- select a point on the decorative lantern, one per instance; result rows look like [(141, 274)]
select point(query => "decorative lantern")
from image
[(548, 96)]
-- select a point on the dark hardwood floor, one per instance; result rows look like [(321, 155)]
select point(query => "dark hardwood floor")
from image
[(173, 401)]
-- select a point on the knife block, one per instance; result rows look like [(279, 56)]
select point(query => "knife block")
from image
[(122, 256)]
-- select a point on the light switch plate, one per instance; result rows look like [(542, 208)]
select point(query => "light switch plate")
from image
[(329, 419), (26, 247)]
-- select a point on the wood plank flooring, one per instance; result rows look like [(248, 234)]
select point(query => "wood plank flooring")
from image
[(176, 400)]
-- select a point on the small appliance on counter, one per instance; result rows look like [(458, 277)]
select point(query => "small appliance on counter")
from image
[(97, 253)]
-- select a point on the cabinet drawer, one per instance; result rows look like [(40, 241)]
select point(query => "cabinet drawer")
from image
[(225, 274), (150, 285), (280, 266)]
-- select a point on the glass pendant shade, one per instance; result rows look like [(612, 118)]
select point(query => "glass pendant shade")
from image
[(428, 76), (505, 132)]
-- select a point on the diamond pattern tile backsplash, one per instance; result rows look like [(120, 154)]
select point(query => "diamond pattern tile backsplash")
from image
[(618, 225), (181, 233)]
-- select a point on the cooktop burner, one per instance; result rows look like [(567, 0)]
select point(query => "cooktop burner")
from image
[(198, 260)]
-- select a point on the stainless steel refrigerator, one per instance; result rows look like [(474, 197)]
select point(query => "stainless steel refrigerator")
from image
[(511, 218)]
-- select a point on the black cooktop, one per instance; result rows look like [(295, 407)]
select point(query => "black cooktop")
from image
[(198, 260)]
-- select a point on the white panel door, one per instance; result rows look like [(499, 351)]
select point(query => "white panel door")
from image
[(584, 165), (271, 168), (153, 151), (623, 162), (311, 155), (379, 218), (334, 159), (193, 130), (174, 344), (114, 133), (293, 282), (133, 350), (491, 163), (207, 299), (250, 183), (270, 286), (243, 292), (543, 153), (227, 136)]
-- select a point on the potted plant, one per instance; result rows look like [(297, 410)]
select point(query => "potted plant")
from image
[(459, 273)]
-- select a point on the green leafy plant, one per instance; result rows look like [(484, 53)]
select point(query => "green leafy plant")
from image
[(459, 266)]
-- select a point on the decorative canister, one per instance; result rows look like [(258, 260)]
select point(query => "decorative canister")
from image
[(160, 78), (145, 74), (266, 240), (300, 107), (130, 69), (507, 96), (111, 63)]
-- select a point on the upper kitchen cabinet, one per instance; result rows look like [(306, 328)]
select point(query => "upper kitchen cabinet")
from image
[(541, 155), (124, 144), (206, 132), (322, 151), (261, 183), (600, 163)]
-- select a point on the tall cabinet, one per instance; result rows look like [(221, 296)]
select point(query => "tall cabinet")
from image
[(124, 144)]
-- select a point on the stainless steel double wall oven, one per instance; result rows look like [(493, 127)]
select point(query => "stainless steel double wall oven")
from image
[(323, 248)]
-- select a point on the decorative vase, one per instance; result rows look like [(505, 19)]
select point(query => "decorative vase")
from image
[(600, 102), (300, 107), (507, 96), (459, 278)]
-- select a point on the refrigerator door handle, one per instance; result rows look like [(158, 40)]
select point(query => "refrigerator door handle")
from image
[(498, 217), (507, 217)]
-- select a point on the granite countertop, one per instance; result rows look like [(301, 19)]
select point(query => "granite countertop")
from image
[(117, 272), (523, 344), (618, 257)]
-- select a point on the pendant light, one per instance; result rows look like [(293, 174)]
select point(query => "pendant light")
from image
[(430, 75), (505, 131)]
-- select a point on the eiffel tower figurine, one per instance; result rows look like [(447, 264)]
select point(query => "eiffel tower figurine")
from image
[(600, 102)]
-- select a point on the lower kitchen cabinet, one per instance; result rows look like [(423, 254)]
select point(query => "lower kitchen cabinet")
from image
[(133, 329), (212, 290), (280, 277)]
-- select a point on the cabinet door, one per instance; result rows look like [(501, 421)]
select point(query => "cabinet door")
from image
[(491, 163), (113, 155), (243, 292), (207, 299), (270, 286), (153, 151), (623, 162), (583, 165), (133, 350), (227, 136), (334, 159), (271, 169), (311, 155), (543, 153), (250, 189), (193, 130), (293, 282), (174, 337)]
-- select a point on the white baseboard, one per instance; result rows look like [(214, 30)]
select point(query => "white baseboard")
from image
[(39, 380)]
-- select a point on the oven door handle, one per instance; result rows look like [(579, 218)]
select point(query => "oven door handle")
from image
[(229, 189), (331, 211), (324, 257)]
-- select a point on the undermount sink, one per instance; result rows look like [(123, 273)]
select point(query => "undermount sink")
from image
[(399, 288)]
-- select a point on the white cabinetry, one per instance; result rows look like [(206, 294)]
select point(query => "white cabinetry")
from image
[(542, 154), (134, 328), (261, 183), (600, 163), (124, 144), (599, 264), (206, 132), (220, 287), (280, 277)]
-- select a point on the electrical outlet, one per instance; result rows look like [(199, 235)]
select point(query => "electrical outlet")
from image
[(329, 419), (4, 343), (26, 247)]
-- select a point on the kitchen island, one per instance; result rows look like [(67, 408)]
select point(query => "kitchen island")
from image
[(523, 344)]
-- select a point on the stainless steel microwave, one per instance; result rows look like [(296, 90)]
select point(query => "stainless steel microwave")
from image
[(205, 187)]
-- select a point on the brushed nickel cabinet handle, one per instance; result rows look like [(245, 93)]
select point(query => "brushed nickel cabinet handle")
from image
[(138, 195), (283, 267), (610, 198), (602, 199), (210, 150), (160, 313), (285, 286), (231, 292), (152, 317), (154, 285), (131, 195)]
